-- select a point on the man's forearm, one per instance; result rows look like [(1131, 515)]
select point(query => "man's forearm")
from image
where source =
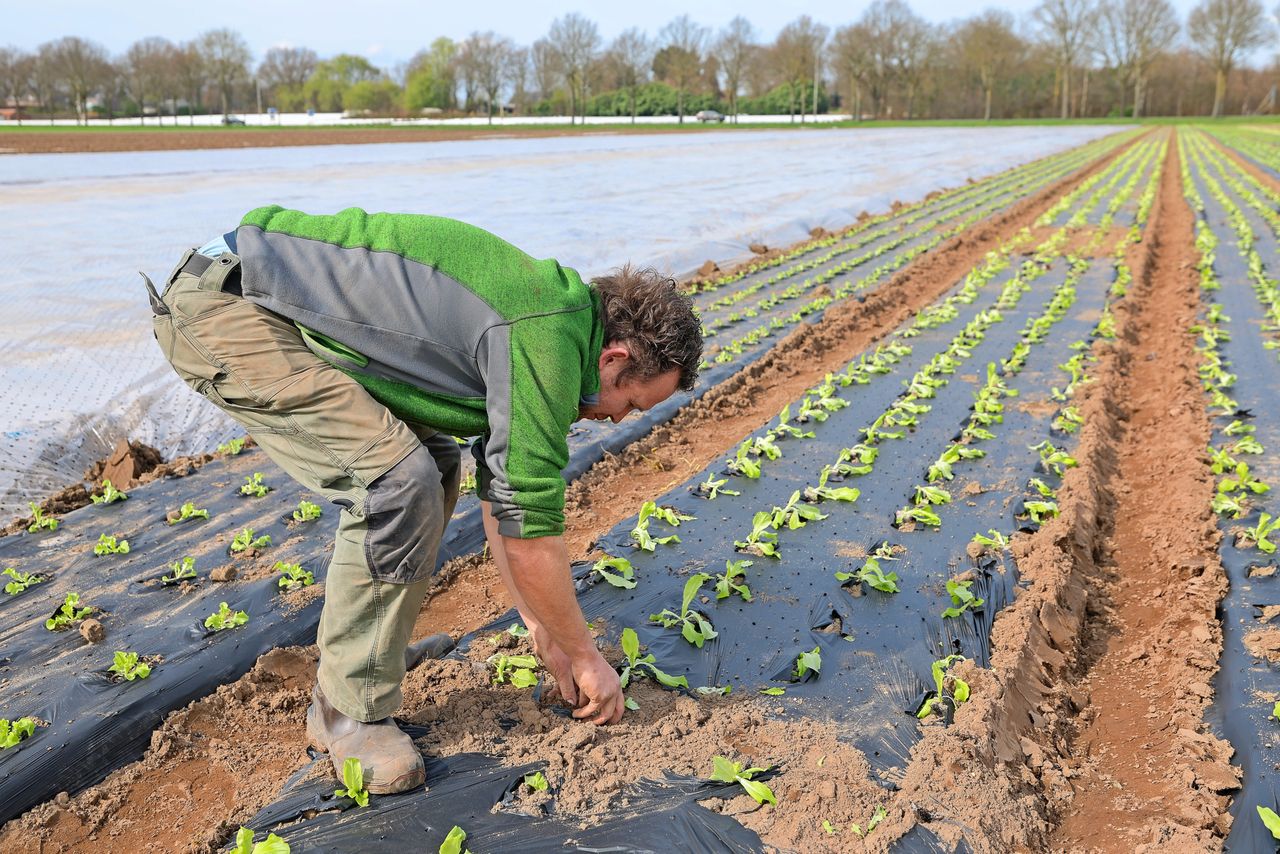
[(537, 573)]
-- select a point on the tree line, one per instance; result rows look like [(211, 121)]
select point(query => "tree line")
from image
[(1066, 58)]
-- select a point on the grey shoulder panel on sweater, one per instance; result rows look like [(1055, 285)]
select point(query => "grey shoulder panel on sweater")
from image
[(413, 322)]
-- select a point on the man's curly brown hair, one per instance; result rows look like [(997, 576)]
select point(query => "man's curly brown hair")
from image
[(646, 311)]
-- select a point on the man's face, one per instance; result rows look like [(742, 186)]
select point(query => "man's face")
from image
[(620, 399)]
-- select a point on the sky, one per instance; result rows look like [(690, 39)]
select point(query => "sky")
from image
[(389, 32)]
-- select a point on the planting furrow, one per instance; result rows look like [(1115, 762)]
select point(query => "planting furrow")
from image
[(1236, 245), (897, 229), (809, 254)]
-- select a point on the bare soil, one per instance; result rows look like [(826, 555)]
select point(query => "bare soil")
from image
[(179, 138), (1090, 716)]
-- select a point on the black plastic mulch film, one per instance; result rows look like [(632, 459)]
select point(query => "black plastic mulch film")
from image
[(95, 725), (1240, 713), (877, 649)]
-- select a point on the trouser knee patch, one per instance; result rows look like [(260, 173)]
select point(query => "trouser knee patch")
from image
[(404, 514)]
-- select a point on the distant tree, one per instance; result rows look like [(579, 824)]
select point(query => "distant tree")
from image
[(226, 58), (1221, 31), (146, 71), (574, 40), (82, 66), (988, 47), (517, 72), (371, 96), (431, 79), (897, 43), (190, 74), (1132, 34), (483, 60), (852, 57), (1065, 26), (46, 79), (327, 87), (732, 49), (631, 56), (798, 49), (284, 72), (15, 77), (112, 87), (679, 60), (548, 72)]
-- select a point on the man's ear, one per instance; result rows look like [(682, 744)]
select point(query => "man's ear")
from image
[(615, 354)]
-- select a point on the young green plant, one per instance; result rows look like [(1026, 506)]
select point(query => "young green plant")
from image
[(353, 783), (294, 576), (109, 495), (245, 541), (21, 581), (109, 545), (307, 512), (186, 512), (724, 771), (69, 612), (224, 618), (180, 571), (635, 665), (12, 732), (128, 666), (694, 627)]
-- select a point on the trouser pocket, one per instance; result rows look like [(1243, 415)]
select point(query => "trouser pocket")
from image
[(404, 515)]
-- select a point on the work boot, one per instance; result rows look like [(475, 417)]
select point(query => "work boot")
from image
[(388, 757)]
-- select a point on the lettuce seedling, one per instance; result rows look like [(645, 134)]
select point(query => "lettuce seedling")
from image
[(1043, 488), (536, 781), (762, 540), (294, 576), (232, 446), (637, 666), (822, 492), (127, 666), (1246, 445), (795, 514), (921, 513), (694, 627), (306, 511), (108, 545), (1069, 420), (764, 446), (615, 570), (1041, 510), (806, 663), (1239, 428), (187, 511), (1242, 479), (453, 842), (244, 541), (1226, 505), (271, 845), (225, 618), (871, 574), (68, 613), (180, 571), (109, 495), (21, 581), (724, 771), (940, 469), (962, 598), (516, 668), (1259, 532), (742, 463), (993, 540), (773, 692), (947, 688), (254, 486), (353, 783), (640, 533), (728, 583), (1270, 820), (711, 488), (40, 520), (1053, 459), (12, 732), (785, 429), (856, 461), (878, 816), (931, 495), (468, 484)]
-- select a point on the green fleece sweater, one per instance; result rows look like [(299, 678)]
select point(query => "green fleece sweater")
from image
[(448, 326)]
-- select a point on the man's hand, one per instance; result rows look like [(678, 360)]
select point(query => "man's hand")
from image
[(599, 690), (556, 662)]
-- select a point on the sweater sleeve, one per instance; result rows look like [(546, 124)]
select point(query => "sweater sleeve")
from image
[(533, 377)]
